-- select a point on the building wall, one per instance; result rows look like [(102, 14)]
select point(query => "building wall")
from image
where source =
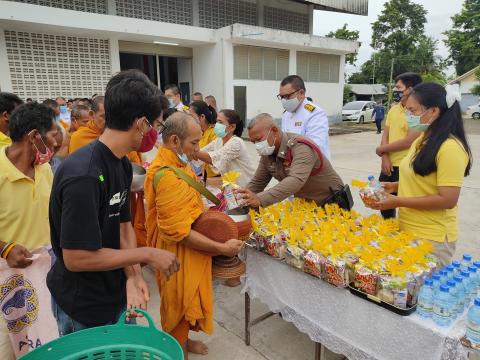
[(468, 83)]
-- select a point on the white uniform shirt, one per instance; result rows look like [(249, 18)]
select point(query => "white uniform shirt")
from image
[(310, 121)]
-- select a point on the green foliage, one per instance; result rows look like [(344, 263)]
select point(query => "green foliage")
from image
[(347, 93), (476, 88), (345, 34), (464, 37)]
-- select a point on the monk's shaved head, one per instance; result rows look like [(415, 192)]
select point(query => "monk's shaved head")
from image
[(180, 124)]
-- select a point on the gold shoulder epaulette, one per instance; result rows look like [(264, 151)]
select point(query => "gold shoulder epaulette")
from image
[(309, 107)]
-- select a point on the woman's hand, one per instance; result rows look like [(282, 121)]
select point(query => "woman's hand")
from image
[(390, 202), (390, 187)]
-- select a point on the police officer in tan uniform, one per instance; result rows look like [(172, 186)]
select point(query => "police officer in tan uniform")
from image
[(296, 162)]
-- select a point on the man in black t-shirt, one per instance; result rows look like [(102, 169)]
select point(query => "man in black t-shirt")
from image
[(97, 273)]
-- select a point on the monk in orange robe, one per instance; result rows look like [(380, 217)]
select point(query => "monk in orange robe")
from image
[(137, 206), (172, 208), (92, 130)]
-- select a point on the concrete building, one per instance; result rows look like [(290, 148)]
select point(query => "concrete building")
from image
[(466, 82), (236, 50), (367, 92)]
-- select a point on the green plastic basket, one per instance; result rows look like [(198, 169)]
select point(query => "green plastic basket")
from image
[(113, 342)]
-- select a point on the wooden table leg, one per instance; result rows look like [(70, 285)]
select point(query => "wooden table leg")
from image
[(318, 351), (247, 319)]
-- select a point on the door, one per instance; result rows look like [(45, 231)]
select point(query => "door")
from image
[(240, 103), (145, 63)]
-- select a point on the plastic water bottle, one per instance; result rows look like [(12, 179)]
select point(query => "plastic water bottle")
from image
[(443, 276), (452, 285), (473, 323), (469, 286), (450, 271), (477, 265), (443, 307), (376, 187), (425, 299), (466, 261), (456, 265), (460, 292), (474, 272), (436, 283)]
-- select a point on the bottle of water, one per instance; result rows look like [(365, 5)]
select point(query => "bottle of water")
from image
[(473, 323), (376, 188), (466, 261), (452, 284), (443, 307), (425, 299), (474, 272), (460, 292), (443, 276), (477, 265), (450, 271), (456, 265), (469, 286), (436, 283)]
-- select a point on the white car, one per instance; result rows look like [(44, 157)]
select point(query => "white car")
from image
[(473, 111), (359, 111)]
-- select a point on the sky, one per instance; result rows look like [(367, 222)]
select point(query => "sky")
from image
[(438, 20)]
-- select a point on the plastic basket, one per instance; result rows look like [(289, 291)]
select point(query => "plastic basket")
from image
[(113, 342)]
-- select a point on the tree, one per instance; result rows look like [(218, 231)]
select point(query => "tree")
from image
[(476, 88), (399, 37), (464, 37), (347, 93), (345, 34)]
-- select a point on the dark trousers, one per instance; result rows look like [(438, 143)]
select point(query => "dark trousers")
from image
[(378, 122), (387, 214)]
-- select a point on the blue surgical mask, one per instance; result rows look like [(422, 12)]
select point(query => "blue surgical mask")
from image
[(171, 103), (183, 158), (220, 130), (63, 108), (414, 122)]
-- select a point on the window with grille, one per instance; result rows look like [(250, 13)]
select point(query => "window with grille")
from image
[(318, 67), (281, 19), (171, 11), (44, 66), (93, 6), (258, 63), (216, 14)]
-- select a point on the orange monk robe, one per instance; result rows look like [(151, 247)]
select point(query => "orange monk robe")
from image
[(137, 206), (171, 210), (84, 136)]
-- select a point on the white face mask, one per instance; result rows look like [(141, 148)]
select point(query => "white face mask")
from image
[(290, 105), (263, 147)]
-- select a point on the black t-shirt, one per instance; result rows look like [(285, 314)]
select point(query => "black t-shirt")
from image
[(89, 200)]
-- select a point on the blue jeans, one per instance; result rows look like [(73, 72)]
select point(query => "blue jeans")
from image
[(66, 325)]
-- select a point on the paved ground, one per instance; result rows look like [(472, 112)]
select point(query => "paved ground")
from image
[(353, 157)]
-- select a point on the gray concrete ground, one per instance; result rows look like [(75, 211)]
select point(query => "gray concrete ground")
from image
[(353, 156)]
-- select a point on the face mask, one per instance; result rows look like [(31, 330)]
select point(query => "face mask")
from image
[(220, 130), (290, 105), (397, 95), (183, 158), (263, 147), (414, 122), (148, 141), (42, 158), (171, 103), (63, 108)]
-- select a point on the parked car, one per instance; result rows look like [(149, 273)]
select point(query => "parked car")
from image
[(358, 111), (473, 111)]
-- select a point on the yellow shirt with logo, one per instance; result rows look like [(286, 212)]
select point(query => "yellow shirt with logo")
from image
[(4, 139), (436, 225), (397, 130), (24, 204)]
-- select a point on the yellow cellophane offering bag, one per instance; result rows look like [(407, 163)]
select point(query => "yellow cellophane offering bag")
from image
[(229, 184)]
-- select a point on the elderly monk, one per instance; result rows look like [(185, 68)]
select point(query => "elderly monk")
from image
[(172, 207), (93, 129)]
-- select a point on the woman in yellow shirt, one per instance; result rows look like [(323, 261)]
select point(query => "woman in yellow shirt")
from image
[(432, 173), (207, 117)]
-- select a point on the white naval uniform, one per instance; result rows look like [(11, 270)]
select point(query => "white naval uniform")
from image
[(310, 121)]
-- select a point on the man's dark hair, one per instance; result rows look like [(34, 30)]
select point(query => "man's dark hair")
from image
[(295, 80), (50, 103), (174, 88), (130, 95), (197, 94), (96, 101), (168, 112), (234, 119), (29, 100), (8, 102), (28, 117), (409, 79)]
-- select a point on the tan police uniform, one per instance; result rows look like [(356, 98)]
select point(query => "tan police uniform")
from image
[(294, 179)]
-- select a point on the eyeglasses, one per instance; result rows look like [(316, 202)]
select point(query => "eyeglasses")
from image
[(287, 96)]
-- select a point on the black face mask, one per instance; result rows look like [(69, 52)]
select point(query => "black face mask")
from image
[(397, 95)]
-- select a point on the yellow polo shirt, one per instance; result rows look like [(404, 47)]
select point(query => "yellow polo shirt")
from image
[(397, 130), (24, 204), (4, 139), (207, 137), (452, 160)]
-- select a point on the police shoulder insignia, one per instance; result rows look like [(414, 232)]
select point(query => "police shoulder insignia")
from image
[(309, 107)]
